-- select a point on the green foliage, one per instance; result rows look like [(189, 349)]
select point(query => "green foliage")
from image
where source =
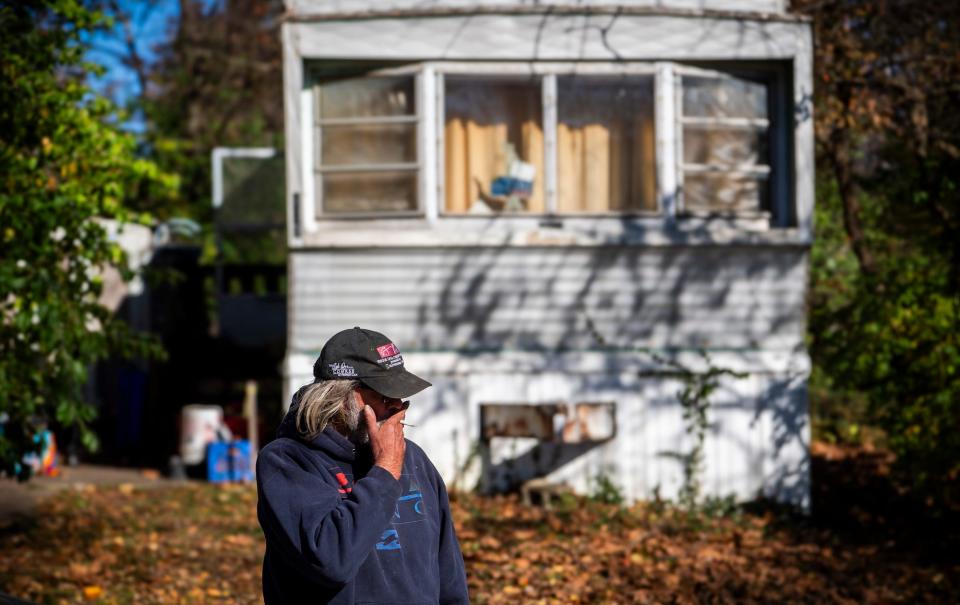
[(885, 273), (605, 490), (888, 344), (63, 165), (838, 409)]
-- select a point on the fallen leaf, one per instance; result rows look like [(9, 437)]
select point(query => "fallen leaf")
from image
[(91, 593)]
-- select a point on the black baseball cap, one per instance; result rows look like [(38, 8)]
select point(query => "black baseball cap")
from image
[(371, 358)]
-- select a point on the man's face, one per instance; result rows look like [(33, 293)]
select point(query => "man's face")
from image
[(383, 407)]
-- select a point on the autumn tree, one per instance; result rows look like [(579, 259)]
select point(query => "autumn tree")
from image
[(885, 304), (218, 82), (65, 165)]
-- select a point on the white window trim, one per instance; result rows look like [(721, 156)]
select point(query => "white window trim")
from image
[(429, 79), (219, 154), (437, 107), (427, 133), (664, 107), (307, 207), (549, 89)]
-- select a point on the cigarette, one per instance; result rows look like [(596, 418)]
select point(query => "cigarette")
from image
[(406, 423)]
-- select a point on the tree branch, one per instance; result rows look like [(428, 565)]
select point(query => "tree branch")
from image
[(839, 150)]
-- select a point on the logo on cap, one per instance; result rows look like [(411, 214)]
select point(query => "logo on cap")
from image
[(388, 350), (342, 369), (389, 356)]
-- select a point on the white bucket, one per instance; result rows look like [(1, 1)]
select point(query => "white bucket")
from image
[(200, 425)]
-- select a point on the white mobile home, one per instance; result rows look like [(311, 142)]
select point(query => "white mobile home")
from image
[(537, 200)]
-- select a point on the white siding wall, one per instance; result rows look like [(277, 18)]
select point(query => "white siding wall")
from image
[(509, 326), (757, 442), (562, 37), (319, 7), (540, 299)]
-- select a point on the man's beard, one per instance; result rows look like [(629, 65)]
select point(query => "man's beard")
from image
[(356, 425), (355, 422)]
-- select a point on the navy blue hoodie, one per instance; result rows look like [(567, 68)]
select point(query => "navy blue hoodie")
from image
[(340, 530)]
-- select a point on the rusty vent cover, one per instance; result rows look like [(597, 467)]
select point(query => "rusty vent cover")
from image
[(559, 422)]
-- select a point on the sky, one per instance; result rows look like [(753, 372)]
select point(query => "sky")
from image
[(152, 22)]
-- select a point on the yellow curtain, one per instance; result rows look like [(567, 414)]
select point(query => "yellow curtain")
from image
[(605, 146), (481, 118), (606, 165)]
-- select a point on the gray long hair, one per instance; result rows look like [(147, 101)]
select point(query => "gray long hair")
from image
[(324, 403)]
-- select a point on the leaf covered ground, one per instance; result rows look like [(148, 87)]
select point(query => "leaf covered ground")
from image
[(201, 544)]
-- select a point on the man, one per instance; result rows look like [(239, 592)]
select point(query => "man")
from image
[(351, 511)]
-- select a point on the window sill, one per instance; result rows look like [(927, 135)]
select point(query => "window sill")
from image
[(553, 231), (746, 215)]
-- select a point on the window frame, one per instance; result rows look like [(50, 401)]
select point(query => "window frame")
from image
[(318, 169), (549, 139), (547, 73), (429, 86), (768, 125)]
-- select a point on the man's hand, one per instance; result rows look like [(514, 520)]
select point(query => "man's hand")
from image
[(386, 441)]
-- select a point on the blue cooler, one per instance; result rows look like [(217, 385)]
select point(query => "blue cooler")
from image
[(229, 461)]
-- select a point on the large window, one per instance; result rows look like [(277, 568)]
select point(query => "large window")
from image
[(495, 154), (451, 139), (366, 148)]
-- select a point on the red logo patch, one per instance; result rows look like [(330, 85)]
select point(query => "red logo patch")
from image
[(388, 350)]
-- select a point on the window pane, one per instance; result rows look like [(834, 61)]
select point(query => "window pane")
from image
[(366, 97), (726, 97), (605, 145), (368, 144), (357, 192), (724, 146), (493, 138), (723, 193)]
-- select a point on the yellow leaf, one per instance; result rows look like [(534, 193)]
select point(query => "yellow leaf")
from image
[(92, 592)]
